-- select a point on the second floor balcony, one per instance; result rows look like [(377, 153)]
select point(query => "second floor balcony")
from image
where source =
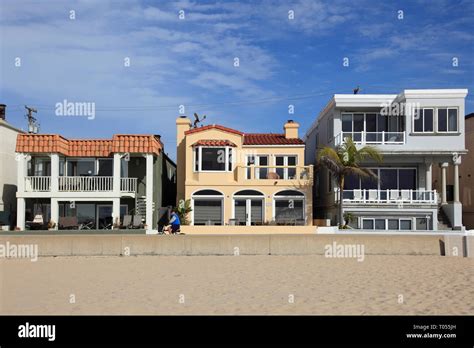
[(390, 196), (79, 184), (372, 138)]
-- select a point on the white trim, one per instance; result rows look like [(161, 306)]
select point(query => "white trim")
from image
[(226, 164)]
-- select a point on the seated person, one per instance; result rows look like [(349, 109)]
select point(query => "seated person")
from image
[(174, 224)]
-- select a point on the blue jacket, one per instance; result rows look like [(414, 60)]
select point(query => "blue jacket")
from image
[(175, 220)]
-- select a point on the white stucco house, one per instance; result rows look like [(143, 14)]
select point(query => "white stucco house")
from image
[(8, 177), (414, 130)]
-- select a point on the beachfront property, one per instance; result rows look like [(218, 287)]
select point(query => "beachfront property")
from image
[(90, 183), (8, 177), (466, 176), (237, 178), (415, 131)]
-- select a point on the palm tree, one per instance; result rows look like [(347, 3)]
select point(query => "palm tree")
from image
[(346, 160)]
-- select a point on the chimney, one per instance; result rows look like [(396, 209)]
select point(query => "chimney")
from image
[(291, 129), (183, 124), (3, 108)]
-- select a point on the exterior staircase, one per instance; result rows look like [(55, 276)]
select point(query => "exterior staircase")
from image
[(140, 206), (443, 221)]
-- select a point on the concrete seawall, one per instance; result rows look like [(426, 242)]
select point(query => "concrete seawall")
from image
[(268, 244)]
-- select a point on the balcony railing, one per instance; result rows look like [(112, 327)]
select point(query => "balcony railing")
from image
[(79, 184), (85, 183), (392, 196), (128, 185), (275, 172), (372, 138), (37, 183)]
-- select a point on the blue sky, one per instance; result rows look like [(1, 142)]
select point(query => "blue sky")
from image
[(190, 61)]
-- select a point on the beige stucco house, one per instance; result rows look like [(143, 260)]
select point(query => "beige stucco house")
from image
[(237, 178)]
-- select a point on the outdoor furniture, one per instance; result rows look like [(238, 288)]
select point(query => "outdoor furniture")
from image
[(405, 195), (68, 222), (37, 222), (358, 195), (272, 175), (86, 225), (372, 195), (394, 195), (137, 221), (127, 221)]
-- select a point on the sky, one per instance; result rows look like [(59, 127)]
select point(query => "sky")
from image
[(244, 64)]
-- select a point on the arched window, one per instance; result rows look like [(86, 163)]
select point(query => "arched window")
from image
[(289, 193), (207, 193), (248, 193), (208, 207), (289, 207)]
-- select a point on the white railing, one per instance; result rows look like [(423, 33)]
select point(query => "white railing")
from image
[(391, 196), (37, 183), (275, 172), (374, 138), (85, 183), (128, 184)]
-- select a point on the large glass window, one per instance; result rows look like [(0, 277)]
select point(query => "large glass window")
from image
[(289, 207), (81, 167), (287, 161), (207, 211), (213, 158), (447, 120), (423, 120), (105, 167), (39, 166)]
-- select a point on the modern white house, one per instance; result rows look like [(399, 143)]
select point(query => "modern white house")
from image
[(8, 177), (414, 131), (94, 181)]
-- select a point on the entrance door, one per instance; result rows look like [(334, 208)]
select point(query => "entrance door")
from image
[(248, 211)]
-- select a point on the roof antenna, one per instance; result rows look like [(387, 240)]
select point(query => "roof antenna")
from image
[(198, 120), (33, 125), (356, 90)]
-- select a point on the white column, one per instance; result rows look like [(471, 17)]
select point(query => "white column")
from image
[(54, 176), (116, 173), (443, 182), (429, 176), (149, 191), (54, 205), (20, 213), (21, 171), (116, 211), (456, 182)]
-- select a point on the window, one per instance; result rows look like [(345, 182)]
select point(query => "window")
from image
[(380, 224), (105, 167), (286, 161), (422, 224), (423, 120), (81, 167), (207, 207), (447, 120), (405, 225), (368, 224), (39, 167), (289, 206), (392, 224), (260, 160), (213, 159)]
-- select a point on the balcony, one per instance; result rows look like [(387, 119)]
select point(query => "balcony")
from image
[(372, 138), (79, 184), (271, 174), (392, 196)]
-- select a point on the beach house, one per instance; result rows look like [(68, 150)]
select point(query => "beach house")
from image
[(237, 178), (92, 183), (415, 131)]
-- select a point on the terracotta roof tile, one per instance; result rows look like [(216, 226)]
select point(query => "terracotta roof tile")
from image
[(270, 139), (214, 142), (53, 143)]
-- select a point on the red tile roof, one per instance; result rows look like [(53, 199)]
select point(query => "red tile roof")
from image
[(270, 139), (251, 138), (214, 142), (54, 143)]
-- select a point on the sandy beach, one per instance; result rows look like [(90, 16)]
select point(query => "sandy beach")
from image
[(237, 285)]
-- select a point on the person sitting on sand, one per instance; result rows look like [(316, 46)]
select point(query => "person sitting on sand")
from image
[(174, 224)]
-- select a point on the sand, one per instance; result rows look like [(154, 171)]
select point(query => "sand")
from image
[(237, 285)]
